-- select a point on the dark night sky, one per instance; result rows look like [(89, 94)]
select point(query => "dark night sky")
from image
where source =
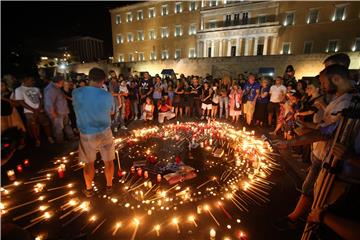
[(37, 25)]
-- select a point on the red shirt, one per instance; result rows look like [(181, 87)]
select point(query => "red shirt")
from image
[(164, 107)]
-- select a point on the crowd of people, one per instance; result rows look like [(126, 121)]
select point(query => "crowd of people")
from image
[(298, 112)]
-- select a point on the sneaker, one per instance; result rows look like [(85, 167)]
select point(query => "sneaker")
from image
[(115, 129), (124, 127), (109, 190), (37, 143), (136, 118), (88, 192), (285, 223), (51, 140)]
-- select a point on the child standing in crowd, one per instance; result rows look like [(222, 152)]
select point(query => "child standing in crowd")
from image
[(225, 86), (148, 110), (261, 103), (206, 99), (123, 95), (235, 103), (215, 100), (170, 91), (293, 108)]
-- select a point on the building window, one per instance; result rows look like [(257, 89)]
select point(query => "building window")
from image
[(177, 53), (140, 35), (192, 53), (130, 37), (164, 10), (262, 19), (192, 6), (233, 51), (140, 15), (308, 47), (131, 57), (289, 19), (153, 55), (119, 39), (213, 3), (152, 34), (129, 17), (164, 54), (192, 29), (228, 20), (178, 31), (212, 24), (286, 48), (356, 46), (152, 12), (117, 19), (332, 46), (339, 14), (245, 18), (141, 56), (236, 18), (178, 7), (164, 32), (121, 58), (313, 16)]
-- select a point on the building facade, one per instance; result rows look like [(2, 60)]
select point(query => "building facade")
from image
[(197, 29), (84, 48)]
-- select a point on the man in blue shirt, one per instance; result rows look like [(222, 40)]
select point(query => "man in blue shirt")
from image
[(250, 92), (93, 107)]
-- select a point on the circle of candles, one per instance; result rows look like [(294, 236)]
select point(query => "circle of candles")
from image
[(11, 175), (26, 162), (158, 178), (146, 174), (19, 168)]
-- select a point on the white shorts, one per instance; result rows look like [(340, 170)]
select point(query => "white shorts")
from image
[(206, 106)]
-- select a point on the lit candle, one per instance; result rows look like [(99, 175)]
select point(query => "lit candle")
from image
[(11, 175), (158, 178), (60, 172), (212, 233), (26, 162), (146, 174), (19, 168), (139, 172)]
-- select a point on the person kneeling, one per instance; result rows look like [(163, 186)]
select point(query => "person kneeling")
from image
[(165, 109)]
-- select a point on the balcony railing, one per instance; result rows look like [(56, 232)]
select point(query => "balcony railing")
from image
[(238, 22)]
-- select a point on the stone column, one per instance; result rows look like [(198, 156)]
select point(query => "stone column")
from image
[(212, 48), (265, 45), (256, 39), (273, 45), (220, 48), (238, 49), (247, 44), (201, 23), (205, 50), (228, 48)]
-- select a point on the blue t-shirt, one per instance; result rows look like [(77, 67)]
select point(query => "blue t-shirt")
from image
[(265, 99), (92, 108), (250, 90)]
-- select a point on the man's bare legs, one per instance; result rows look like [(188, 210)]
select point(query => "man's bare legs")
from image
[(109, 172), (89, 173)]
